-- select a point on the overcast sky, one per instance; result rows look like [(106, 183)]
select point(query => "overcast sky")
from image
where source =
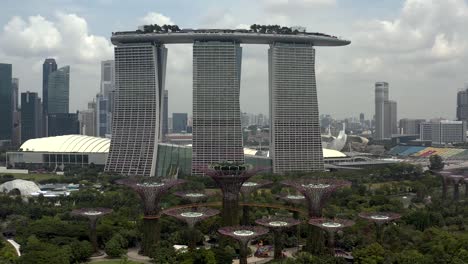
[(419, 46)]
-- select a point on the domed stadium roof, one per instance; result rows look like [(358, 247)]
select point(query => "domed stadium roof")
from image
[(25, 188), (68, 143)]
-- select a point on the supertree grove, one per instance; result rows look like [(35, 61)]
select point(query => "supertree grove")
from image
[(456, 180), (191, 217), (247, 189), (243, 234), (229, 177), (379, 219), (331, 226), (278, 225), (93, 214), (150, 191)]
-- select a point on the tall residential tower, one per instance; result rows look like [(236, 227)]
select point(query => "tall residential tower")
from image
[(385, 113)]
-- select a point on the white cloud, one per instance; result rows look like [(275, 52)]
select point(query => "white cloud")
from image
[(66, 37), (156, 18)]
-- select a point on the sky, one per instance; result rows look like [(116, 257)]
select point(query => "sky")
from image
[(419, 46)]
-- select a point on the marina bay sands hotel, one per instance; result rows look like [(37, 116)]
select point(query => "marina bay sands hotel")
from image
[(140, 72)]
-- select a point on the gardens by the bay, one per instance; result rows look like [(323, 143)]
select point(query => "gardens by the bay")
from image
[(393, 214)]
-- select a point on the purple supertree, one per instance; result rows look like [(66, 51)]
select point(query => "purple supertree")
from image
[(229, 177), (191, 217), (445, 176), (380, 218), (294, 200), (93, 214), (248, 188), (316, 192), (193, 196), (456, 180), (150, 190), (243, 234), (331, 226), (278, 225)]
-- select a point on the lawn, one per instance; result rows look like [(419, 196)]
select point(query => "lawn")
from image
[(37, 176)]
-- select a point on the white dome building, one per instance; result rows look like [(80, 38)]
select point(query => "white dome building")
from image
[(21, 187)]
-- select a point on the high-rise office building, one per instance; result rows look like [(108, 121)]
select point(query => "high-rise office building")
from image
[(6, 102), (362, 118), (105, 98), (87, 119), (140, 73), (179, 122), (165, 118), (63, 124), (58, 94), (31, 116), (48, 67), (217, 134), (295, 143), (462, 105), (16, 132), (410, 126), (443, 132), (385, 113), (390, 119)]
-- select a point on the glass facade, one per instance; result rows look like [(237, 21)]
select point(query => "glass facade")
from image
[(59, 91), (6, 102)]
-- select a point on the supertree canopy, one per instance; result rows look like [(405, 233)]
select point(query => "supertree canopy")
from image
[(278, 225), (229, 177), (456, 180), (150, 190), (243, 234), (316, 191), (191, 217), (247, 188), (194, 196), (93, 214), (380, 218), (331, 226)]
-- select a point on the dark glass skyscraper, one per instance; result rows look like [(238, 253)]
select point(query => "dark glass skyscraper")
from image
[(63, 124), (6, 102), (179, 122), (59, 91), (31, 116), (48, 67)]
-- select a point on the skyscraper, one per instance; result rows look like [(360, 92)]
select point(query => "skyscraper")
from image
[(31, 116), (140, 73), (58, 94), (63, 124), (385, 113), (105, 98), (462, 105), (179, 122), (217, 134), (295, 130), (87, 119), (6, 102), (48, 67), (16, 132), (410, 126)]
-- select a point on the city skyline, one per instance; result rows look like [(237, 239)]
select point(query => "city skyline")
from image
[(434, 54)]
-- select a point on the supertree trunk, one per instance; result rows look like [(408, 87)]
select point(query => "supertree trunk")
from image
[(444, 188), (456, 191), (151, 232), (243, 250), (93, 234), (245, 212), (230, 212), (466, 189), (278, 253), (192, 244), (315, 241), (331, 242), (379, 232)]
